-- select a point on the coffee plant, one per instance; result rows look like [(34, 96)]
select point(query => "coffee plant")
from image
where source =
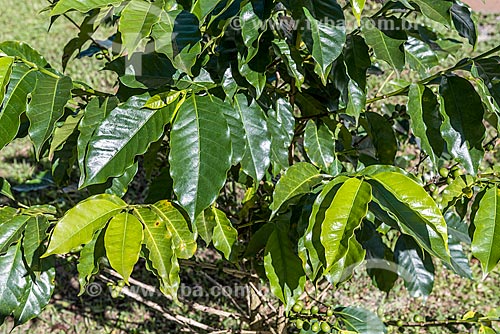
[(268, 130)]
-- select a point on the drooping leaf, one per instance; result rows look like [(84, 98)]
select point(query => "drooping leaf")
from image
[(414, 266), (90, 257), (360, 320), (11, 227), (22, 83), (5, 71), (319, 144), (386, 48), (463, 128), (357, 59), (425, 123), (200, 152), (5, 189), (183, 242), (224, 234), (383, 137), (64, 132), (415, 211), (290, 59), (80, 223), (83, 6), (280, 122), (462, 20), (35, 234), (486, 239), (48, 100), (344, 268), (123, 240), (126, 132), (12, 281), (357, 9), (136, 22), (299, 179), (283, 267), (256, 159), (347, 210), (438, 11), (205, 223)]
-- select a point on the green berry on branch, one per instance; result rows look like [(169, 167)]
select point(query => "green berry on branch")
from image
[(297, 308), (418, 318), (443, 171), (400, 323), (299, 323), (315, 327), (314, 309), (325, 327), (329, 312)]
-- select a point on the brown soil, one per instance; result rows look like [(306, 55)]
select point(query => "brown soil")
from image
[(488, 6)]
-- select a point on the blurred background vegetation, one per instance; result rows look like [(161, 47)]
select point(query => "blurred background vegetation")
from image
[(452, 296)]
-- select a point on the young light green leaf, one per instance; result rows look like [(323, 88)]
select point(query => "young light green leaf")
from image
[(46, 107), (256, 159), (5, 71), (83, 6), (80, 223), (200, 153), (299, 179), (88, 262), (291, 60), (224, 234), (136, 22), (123, 240), (347, 210), (205, 223), (343, 269), (357, 9), (5, 189), (486, 237)]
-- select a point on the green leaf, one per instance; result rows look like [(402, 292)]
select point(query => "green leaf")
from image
[(283, 267), (23, 51), (5, 71), (414, 266), (459, 260), (83, 6), (22, 83), (224, 234), (205, 223), (48, 100), (327, 42), (63, 132), (160, 251), (183, 240), (420, 56), (281, 125), (347, 210), (384, 139), (357, 9), (487, 233), (5, 189), (119, 185), (423, 109), (79, 224), (13, 281), (11, 227), (201, 8), (95, 112), (462, 20), (299, 179), (463, 128), (200, 154), (357, 60), (438, 11), (126, 132), (90, 257), (259, 240), (319, 143), (292, 61), (360, 320), (35, 234), (136, 22), (415, 211), (344, 268), (256, 159), (123, 240), (386, 48)]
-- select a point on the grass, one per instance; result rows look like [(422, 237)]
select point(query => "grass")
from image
[(68, 313)]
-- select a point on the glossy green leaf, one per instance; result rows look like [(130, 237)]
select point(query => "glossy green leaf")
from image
[(259, 240), (462, 20), (360, 320), (344, 268), (201, 8), (386, 48), (136, 22), (13, 281), (459, 259), (357, 60), (425, 122), (160, 250), (123, 240), (224, 234), (256, 159), (463, 128), (488, 70), (281, 125), (79, 224), (89, 260), (327, 42), (5, 189), (415, 211), (23, 51), (283, 267), (63, 132), (126, 132), (119, 185), (95, 112), (11, 227), (35, 234), (5, 71), (420, 56), (383, 137), (414, 266), (81, 5), (200, 139), (291, 60), (299, 179), (184, 243), (347, 210), (438, 11), (357, 9), (205, 223), (22, 83), (319, 143), (486, 239), (48, 100)]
